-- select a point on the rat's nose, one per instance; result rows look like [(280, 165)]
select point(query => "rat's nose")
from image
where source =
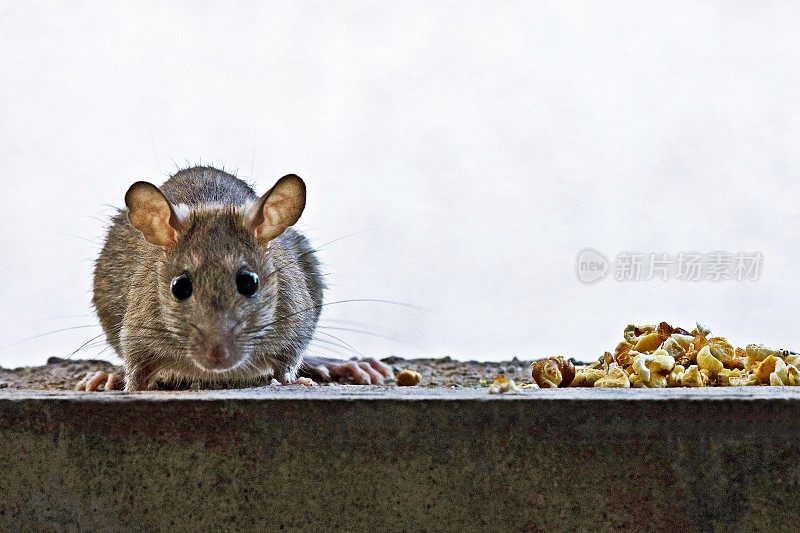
[(217, 355)]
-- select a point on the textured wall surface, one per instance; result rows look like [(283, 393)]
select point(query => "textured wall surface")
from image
[(373, 459)]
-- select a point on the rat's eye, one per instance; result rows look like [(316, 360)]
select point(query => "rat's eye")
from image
[(246, 282), (182, 286)]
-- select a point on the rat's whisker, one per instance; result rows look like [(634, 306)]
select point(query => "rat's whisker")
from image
[(325, 320), (337, 353), (79, 237), (196, 327), (98, 354), (352, 300), (331, 242), (82, 346), (69, 317), (100, 342), (364, 332), (314, 250), (344, 343), (335, 347), (62, 330)]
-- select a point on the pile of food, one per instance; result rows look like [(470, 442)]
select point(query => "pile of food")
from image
[(664, 356)]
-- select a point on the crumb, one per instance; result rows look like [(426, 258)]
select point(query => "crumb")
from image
[(408, 378)]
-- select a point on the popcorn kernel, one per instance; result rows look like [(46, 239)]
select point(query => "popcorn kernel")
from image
[(616, 377)]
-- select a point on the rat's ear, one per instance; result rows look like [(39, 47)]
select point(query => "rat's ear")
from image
[(278, 209), (150, 212)]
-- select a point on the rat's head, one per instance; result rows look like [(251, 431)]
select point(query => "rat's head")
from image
[(216, 291)]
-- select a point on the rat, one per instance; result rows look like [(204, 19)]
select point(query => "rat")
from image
[(201, 279)]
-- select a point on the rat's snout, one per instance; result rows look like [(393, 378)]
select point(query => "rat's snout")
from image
[(219, 351), (217, 356)]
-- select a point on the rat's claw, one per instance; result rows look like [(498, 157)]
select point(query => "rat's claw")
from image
[(114, 382), (92, 382), (383, 369), (374, 376), (350, 371), (366, 371)]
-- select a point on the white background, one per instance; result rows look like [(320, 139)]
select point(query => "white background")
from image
[(479, 147)]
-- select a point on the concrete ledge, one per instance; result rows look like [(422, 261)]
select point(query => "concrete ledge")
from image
[(387, 459)]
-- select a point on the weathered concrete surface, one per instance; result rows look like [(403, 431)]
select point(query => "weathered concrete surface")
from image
[(378, 459)]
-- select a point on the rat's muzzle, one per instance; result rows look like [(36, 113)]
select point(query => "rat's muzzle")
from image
[(218, 357), (218, 353)]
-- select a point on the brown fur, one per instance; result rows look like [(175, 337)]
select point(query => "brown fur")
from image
[(155, 333)]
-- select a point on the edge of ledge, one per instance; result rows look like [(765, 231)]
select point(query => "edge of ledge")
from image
[(382, 393)]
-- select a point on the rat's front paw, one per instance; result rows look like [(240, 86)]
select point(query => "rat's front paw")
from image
[(93, 381), (367, 371)]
